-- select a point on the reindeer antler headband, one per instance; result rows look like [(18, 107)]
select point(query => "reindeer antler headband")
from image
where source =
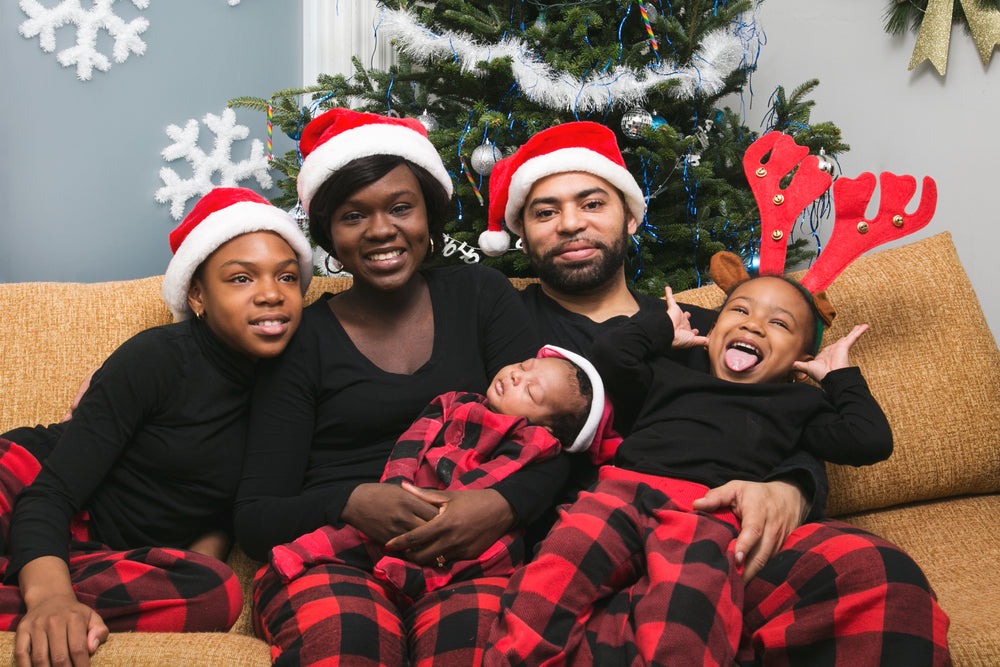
[(853, 234)]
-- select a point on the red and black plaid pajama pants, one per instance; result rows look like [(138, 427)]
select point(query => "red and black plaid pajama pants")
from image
[(148, 589), (338, 615), (630, 527), (834, 595)]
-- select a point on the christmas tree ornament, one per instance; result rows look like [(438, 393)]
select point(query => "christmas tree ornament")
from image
[(652, 13), (204, 165), (826, 163), (647, 21), (299, 215), (635, 121), (43, 22), (484, 157), (658, 121), (270, 124), (472, 181), (428, 121)]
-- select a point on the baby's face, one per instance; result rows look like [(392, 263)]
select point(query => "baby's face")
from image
[(762, 330), (538, 389)]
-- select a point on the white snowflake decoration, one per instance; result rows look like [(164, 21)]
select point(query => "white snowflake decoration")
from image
[(44, 22), (720, 53), (204, 165)]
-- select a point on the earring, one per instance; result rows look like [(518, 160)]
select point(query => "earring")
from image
[(432, 246), (200, 315), (333, 265)]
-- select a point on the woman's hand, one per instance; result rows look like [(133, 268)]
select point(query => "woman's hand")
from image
[(57, 629), (385, 511), (469, 522), (768, 513)]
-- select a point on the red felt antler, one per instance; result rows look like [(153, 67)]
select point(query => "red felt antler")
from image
[(779, 207), (853, 235)]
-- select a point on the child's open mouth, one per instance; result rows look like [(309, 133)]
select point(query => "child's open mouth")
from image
[(742, 356)]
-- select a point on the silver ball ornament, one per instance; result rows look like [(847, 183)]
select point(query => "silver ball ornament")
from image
[(429, 122), (635, 121), (484, 157), (826, 163)]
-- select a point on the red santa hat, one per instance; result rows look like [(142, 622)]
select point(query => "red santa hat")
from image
[(578, 146), (597, 427), (218, 217), (333, 139)]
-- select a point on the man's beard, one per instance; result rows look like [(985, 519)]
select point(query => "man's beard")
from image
[(584, 277)]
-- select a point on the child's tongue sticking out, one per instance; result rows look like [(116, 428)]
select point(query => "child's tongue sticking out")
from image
[(739, 360)]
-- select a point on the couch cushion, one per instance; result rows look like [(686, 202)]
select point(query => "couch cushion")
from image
[(41, 365), (932, 363)]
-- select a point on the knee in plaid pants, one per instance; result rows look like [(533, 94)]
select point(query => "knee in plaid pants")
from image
[(147, 589), (837, 595), (338, 615), (684, 589)]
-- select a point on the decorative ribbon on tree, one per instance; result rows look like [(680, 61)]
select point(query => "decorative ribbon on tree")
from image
[(935, 31)]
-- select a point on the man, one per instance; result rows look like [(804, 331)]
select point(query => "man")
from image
[(816, 593)]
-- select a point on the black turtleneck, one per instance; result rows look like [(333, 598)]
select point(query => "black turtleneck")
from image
[(153, 452)]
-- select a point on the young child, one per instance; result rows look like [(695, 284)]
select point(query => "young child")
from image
[(464, 440), (694, 430), (102, 509)]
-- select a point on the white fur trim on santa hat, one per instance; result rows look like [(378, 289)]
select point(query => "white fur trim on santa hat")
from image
[(588, 432), (371, 139), (220, 227), (564, 160)]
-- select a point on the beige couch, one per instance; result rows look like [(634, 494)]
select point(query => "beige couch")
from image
[(929, 358)]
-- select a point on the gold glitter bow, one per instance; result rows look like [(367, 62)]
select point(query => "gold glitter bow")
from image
[(935, 32)]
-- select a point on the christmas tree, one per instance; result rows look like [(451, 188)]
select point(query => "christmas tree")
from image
[(484, 75)]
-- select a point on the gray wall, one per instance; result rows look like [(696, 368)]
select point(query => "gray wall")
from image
[(907, 122), (79, 161)]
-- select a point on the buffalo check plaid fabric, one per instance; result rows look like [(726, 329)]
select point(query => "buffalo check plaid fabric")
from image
[(338, 615), (630, 526), (837, 595), (147, 589), (456, 443), (834, 595)]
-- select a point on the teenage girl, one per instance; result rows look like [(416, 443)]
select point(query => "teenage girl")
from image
[(104, 516)]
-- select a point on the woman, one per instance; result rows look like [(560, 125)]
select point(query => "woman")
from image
[(363, 366)]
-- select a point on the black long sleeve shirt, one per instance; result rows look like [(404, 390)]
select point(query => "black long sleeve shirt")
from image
[(325, 418), (694, 426), (153, 452)]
